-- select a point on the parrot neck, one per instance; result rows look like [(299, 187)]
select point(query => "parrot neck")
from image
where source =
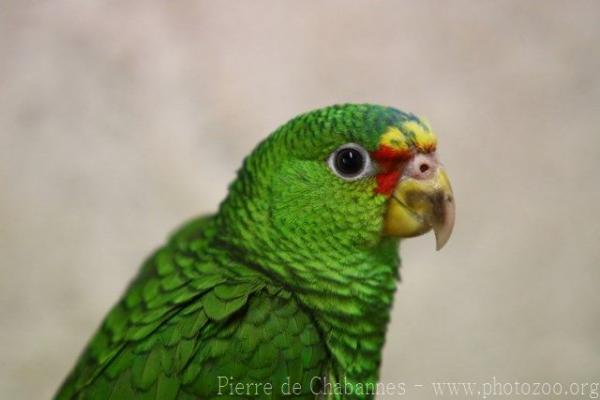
[(347, 290), (352, 310)]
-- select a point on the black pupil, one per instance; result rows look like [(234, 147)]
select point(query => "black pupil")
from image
[(349, 162)]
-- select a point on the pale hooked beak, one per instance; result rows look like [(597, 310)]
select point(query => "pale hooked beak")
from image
[(422, 200)]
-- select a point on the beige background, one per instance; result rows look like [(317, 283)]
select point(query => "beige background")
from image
[(120, 119)]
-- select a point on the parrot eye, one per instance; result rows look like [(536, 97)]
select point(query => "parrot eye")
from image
[(350, 162)]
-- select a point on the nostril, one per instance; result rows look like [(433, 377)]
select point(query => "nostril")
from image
[(423, 168)]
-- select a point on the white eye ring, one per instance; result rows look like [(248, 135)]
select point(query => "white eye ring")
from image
[(350, 162)]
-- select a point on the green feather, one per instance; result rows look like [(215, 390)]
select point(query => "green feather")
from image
[(167, 387), (145, 370), (217, 309)]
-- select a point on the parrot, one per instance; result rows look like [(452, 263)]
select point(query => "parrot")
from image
[(287, 290)]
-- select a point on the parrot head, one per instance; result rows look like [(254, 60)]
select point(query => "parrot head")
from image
[(347, 178)]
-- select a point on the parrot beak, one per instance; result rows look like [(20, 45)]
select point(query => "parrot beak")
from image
[(421, 201)]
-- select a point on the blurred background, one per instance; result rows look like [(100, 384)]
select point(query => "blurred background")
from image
[(121, 119)]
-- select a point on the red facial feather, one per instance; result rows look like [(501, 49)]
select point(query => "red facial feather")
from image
[(389, 159), (386, 182), (387, 153)]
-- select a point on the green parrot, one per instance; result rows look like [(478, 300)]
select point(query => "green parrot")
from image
[(287, 290)]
